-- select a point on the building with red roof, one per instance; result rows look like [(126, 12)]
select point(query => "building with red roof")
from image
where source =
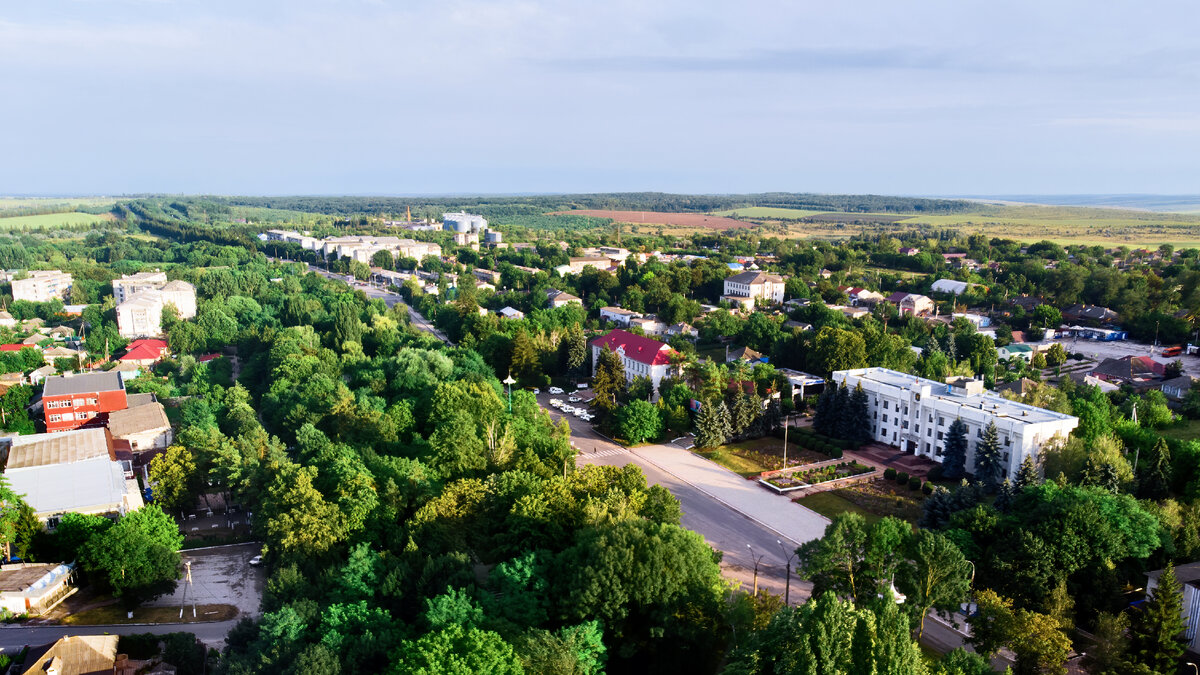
[(640, 355), (14, 348), (144, 352)]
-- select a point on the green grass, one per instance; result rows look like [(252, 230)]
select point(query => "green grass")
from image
[(114, 614), (740, 465), (1185, 431), (51, 220), (829, 504)]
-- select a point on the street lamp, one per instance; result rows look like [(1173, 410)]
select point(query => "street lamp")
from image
[(756, 560), (785, 430), (787, 590), (1194, 667), (510, 382)]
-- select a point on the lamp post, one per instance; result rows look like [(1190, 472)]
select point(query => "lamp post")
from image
[(510, 382), (1194, 667), (785, 434), (756, 560), (787, 589)]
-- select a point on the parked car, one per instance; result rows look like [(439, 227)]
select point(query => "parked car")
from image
[(555, 390), (256, 561), (574, 399), (536, 391)]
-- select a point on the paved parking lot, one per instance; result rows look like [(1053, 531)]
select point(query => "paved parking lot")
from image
[(1104, 350), (220, 576)]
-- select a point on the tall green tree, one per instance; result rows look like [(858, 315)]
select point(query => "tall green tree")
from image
[(834, 563), (954, 454), (136, 557), (608, 382), (1157, 632), (938, 577), (1027, 474), (710, 430), (639, 421), (174, 477), (989, 465)]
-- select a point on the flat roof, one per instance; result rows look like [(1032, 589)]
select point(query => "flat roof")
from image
[(85, 383), (94, 484), (63, 447), (988, 402)]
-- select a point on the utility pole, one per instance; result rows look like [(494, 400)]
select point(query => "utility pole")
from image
[(785, 430), (787, 590), (756, 560)]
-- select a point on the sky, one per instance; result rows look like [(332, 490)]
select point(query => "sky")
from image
[(538, 96)]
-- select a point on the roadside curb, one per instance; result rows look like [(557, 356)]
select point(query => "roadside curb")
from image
[(209, 548)]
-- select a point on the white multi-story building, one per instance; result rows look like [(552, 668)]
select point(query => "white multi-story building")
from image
[(641, 356), (140, 314), (915, 414), (363, 248), (129, 284), (756, 285), (42, 286)]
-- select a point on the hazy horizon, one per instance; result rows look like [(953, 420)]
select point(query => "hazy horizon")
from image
[(463, 97)]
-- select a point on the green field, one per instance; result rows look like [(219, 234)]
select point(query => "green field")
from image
[(51, 220)]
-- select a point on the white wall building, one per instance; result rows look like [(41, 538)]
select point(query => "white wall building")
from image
[(617, 315), (915, 414), (641, 356), (768, 287), (42, 286), (140, 314)]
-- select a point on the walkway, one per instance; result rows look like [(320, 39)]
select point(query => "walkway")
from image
[(747, 497), (889, 457)]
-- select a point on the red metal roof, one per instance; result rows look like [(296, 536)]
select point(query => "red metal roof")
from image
[(15, 348), (641, 349), (144, 350)]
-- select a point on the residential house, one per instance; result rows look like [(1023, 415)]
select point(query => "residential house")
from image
[(650, 325), (144, 428), (73, 401), (1188, 577), (850, 312), (70, 472), (81, 655), (578, 264), (1089, 314), (40, 374), (684, 329), (1026, 302), (756, 286), (1176, 389), (34, 588), (145, 352), (797, 324), (490, 276), (911, 304), (860, 296), (1018, 387), (617, 315), (640, 355), (511, 313), (42, 286), (10, 380), (1137, 371), (948, 257), (7, 320), (132, 284), (977, 320), (556, 298), (909, 251), (914, 414), (1016, 351), (742, 354)]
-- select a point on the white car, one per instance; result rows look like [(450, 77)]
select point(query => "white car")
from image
[(256, 561), (536, 391), (555, 390), (574, 399)]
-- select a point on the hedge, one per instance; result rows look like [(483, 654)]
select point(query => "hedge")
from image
[(889, 474)]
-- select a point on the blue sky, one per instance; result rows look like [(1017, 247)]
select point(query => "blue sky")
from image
[(475, 96)]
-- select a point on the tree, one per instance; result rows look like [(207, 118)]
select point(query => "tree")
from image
[(1107, 655), (573, 650), (1155, 481), (837, 349), (1173, 370), (938, 577), (859, 416), (525, 363), (962, 662), (174, 478), (1027, 474), (295, 517), (608, 383), (954, 455), (10, 514), (1046, 316), (711, 430), (639, 421), (994, 623), (457, 650), (574, 349), (1040, 645), (989, 466), (834, 562), (825, 415), (136, 557), (1157, 632)]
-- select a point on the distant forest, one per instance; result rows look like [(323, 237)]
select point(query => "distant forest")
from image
[(496, 206)]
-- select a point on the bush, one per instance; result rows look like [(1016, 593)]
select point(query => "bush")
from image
[(139, 646), (927, 488), (889, 474), (914, 483), (936, 473), (902, 477), (835, 453)]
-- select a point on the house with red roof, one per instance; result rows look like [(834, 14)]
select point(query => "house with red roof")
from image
[(640, 355), (144, 352)]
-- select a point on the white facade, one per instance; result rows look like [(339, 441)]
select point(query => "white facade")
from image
[(756, 285), (642, 364), (42, 286), (129, 284), (950, 286), (617, 315), (363, 249), (915, 414), (140, 314)]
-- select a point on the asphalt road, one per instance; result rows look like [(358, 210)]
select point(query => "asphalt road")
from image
[(13, 637)]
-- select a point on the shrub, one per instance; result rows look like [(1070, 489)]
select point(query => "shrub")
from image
[(935, 473), (835, 453), (902, 477), (889, 474), (927, 488), (140, 646), (914, 483)]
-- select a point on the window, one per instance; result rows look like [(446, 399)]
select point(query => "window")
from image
[(885, 419), (939, 435), (941, 421), (91, 401), (54, 418), (68, 417), (904, 425), (929, 431), (1007, 441), (77, 402)]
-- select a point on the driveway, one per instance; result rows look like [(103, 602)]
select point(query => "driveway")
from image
[(220, 576)]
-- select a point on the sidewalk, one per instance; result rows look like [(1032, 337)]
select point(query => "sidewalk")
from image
[(774, 511)]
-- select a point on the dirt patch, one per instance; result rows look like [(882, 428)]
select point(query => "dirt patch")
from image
[(661, 218)]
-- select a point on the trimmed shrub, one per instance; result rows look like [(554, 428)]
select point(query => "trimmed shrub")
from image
[(935, 473), (902, 477), (914, 483), (889, 473), (835, 453), (927, 488)]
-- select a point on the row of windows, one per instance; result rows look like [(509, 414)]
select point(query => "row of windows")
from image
[(52, 405), (70, 417)]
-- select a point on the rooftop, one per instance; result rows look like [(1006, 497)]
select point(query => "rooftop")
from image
[(76, 655), (64, 447), (96, 484), (754, 278), (136, 420), (990, 402), (638, 348), (86, 383)]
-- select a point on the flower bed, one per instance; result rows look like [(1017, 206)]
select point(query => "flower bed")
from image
[(786, 482)]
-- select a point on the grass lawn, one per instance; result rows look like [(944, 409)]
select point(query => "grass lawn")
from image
[(1185, 431), (740, 465), (115, 614), (830, 504), (754, 456), (51, 220)]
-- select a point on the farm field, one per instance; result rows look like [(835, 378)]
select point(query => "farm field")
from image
[(686, 220), (767, 212), (51, 220)]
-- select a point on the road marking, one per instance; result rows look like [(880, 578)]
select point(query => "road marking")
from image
[(608, 452)]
